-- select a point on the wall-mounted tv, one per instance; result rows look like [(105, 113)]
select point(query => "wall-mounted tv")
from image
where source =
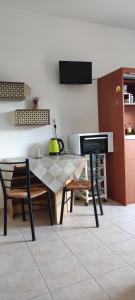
[(75, 72)]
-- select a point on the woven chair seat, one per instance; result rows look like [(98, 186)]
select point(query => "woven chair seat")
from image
[(87, 185), (78, 185), (19, 183), (35, 191)]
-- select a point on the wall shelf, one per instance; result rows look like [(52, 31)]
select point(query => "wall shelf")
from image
[(14, 90), (22, 117), (129, 104)]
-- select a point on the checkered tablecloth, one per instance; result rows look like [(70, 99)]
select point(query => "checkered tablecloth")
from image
[(53, 171)]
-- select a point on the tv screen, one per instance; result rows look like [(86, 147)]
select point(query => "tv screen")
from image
[(75, 72)]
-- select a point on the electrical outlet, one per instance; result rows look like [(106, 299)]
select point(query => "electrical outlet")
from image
[(53, 121)]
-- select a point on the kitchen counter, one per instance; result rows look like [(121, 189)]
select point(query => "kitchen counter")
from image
[(130, 137)]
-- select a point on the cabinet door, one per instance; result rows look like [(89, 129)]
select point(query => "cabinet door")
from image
[(111, 118), (130, 170)]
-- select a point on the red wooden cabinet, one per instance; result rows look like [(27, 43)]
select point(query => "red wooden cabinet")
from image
[(114, 89)]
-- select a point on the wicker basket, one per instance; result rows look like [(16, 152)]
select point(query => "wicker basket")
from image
[(30, 117), (14, 90)]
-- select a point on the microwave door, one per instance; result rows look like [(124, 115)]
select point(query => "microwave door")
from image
[(94, 144)]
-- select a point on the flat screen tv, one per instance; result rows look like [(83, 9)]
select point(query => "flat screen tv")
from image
[(75, 72)]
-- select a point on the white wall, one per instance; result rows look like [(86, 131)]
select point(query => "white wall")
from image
[(30, 47)]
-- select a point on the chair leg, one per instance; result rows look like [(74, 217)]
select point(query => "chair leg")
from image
[(99, 199), (71, 201), (62, 206), (95, 208), (31, 219), (93, 194), (23, 210), (50, 208), (5, 216)]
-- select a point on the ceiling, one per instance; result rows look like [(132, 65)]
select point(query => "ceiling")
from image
[(116, 13)]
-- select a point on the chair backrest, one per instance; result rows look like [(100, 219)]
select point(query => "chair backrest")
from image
[(19, 175), (6, 176)]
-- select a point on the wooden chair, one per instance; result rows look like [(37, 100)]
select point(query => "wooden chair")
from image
[(18, 180), (90, 185), (24, 191)]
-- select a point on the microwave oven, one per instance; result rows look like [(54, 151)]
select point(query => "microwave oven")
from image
[(86, 143)]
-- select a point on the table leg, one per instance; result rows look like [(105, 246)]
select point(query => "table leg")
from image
[(57, 205)]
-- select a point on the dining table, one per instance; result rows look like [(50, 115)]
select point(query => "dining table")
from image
[(54, 172)]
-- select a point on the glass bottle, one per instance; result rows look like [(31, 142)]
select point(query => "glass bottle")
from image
[(37, 150), (129, 129), (125, 128), (131, 98), (133, 131)]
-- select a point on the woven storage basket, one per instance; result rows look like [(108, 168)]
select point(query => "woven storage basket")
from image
[(14, 90), (30, 117)]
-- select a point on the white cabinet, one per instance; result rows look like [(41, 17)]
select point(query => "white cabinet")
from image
[(102, 184)]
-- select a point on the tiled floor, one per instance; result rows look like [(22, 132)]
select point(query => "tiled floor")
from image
[(73, 261)]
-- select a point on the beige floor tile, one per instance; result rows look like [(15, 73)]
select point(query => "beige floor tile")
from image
[(84, 211), (133, 266), (119, 219), (10, 221), (39, 220), (15, 260), (110, 204), (52, 251), (70, 220), (83, 242), (112, 235), (13, 240), (11, 244), (86, 290), (103, 252), (63, 272), (90, 222), (100, 261), (120, 284), (22, 285), (125, 250), (128, 226), (13, 234), (130, 208), (43, 234), (114, 209), (43, 297), (64, 231)]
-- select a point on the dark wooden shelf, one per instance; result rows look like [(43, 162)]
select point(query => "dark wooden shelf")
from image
[(129, 81)]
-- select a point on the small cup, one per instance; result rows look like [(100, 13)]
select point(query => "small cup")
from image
[(37, 151)]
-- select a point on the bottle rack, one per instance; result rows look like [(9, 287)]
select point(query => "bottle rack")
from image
[(102, 184)]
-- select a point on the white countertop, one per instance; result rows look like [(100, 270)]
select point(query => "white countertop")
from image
[(130, 137)]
